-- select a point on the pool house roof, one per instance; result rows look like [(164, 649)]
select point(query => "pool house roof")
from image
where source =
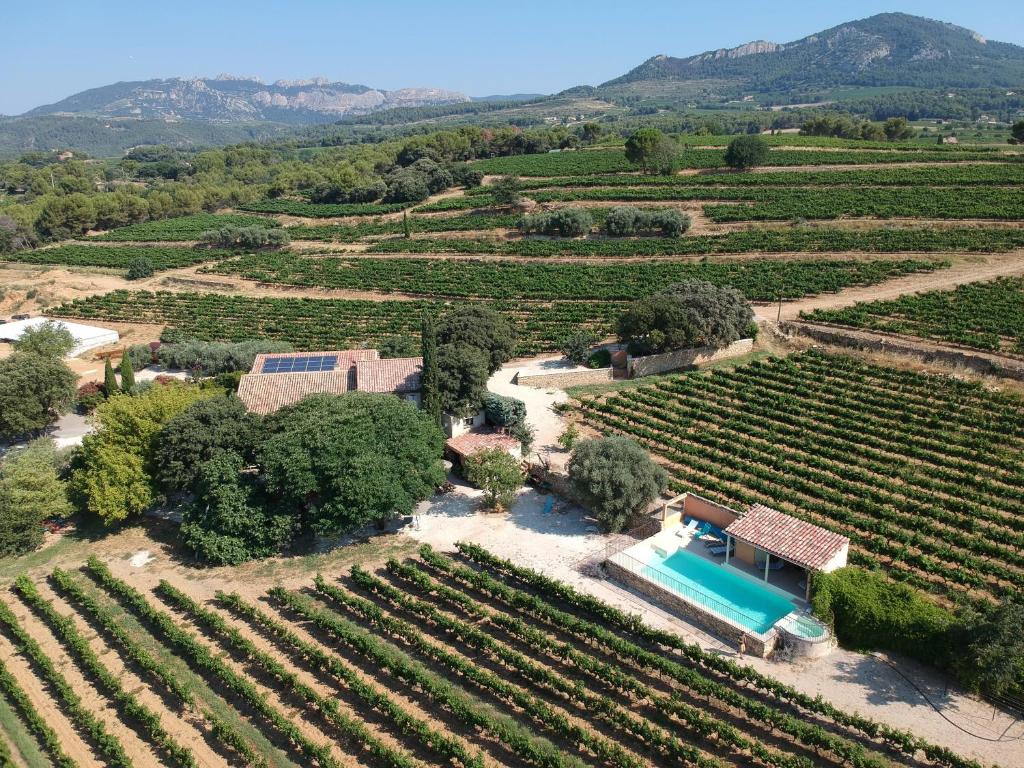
[(801, 543)]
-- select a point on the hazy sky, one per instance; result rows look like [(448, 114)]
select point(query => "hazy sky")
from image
[(53, 49)]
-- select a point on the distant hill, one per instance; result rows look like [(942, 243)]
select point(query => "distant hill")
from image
[(890, 49), (235, 99)]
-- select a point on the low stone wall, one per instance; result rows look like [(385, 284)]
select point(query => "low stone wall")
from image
[(648, 365), (572, 377), (756, 646), (922, 349)]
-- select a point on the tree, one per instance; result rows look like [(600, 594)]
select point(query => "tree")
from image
[(430, 378), (30, 492), (577, 345), (507, 190), (127, 375), (340, 461), (113, 473), (896, 128), (47, 339), (993, 659), (745, 152), (482, 328), (34, 392), (616, 478), (229, 521), (202, 431), (684, 315), (462, 375), (502, 411), (565, 222), (109, 379), (1017, 132), (653, 151), (497, 473)]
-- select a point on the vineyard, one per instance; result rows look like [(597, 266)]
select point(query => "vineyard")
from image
[(986, 316), (182, 228), (921, 472), (321, 210), (119, 257), (760, 280), (311, 324), (463, 660), (588, 162)]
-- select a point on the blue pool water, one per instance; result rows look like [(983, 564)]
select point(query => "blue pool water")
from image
[(719, 589)]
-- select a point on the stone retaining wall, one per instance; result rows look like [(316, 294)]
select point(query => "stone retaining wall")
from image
[(573, 377), (648, 365), (925, 351), (756, 646)]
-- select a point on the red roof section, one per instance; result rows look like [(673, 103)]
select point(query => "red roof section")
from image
[(397, 374), (265, 393), (805, 544), (472, 442)]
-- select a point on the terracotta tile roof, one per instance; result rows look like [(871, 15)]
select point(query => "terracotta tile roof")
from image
[(265, 393), (345, 357), (779, 534), (397, 374), (471, 442)]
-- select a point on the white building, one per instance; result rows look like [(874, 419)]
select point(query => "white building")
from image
[(86, 336)]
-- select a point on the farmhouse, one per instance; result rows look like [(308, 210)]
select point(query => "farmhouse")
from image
[(280, 379)]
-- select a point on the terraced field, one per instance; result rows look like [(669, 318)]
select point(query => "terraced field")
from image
[(988, 316), (923, 473), (462, 660)]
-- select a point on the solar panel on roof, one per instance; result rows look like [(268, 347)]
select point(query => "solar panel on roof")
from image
[(300, 364)]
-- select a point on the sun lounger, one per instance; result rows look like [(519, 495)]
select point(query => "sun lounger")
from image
[(688, 529)]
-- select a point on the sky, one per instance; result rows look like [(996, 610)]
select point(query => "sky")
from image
[(54, 48)]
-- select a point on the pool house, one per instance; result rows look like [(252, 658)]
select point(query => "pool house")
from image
[(746, 576)]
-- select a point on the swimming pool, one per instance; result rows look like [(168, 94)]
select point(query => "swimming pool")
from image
[(719, 589)]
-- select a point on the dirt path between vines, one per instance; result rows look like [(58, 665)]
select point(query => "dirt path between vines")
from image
[(968, 270)]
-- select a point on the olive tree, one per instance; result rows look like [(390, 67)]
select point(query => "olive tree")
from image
[(745, 152), (616, 478), (48, 339), (497, 473)]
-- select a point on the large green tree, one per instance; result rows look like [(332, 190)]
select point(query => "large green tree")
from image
[(30, 492), (653, 151), (49, 339), (204, 430), (616, 478), (230, 521), (34, 391), (340, 461), (114, 472), (745, 152), (461, 379), (482, 328), (689, 314)]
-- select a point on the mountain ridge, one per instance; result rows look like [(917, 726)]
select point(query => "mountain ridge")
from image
[(231, 98), (889, 49)]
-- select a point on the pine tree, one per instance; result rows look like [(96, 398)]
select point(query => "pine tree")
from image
[(109, 379), (430, 378), (127, 375)]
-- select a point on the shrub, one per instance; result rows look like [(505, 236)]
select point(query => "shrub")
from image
[(140, 356), (868, 612), (602, 358), (569, 437), (88, 396), (140, 268), (213, 357), (565, 222), (616, 478), (246, 237), (497, 473), (332, 193), (504, 411), (507, 190), (407, 186)]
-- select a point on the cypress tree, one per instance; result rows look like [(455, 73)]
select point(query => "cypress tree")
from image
[(405, 225), (127, 375), (430, 378), (109, 379)]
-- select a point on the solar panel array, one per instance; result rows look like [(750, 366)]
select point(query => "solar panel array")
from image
[(300, 364)]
